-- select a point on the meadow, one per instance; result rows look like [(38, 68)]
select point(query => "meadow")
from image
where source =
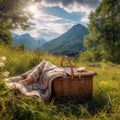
[(105, 104)]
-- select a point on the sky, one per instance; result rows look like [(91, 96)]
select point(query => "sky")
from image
[(51, 18)]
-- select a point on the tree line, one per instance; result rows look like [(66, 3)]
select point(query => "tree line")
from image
[(103, 40)]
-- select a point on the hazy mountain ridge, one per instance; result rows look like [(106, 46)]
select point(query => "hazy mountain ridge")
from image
[(70, 43), (29, 42)]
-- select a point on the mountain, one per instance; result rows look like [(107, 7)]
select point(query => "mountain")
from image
[(69, 43), (29, 42)]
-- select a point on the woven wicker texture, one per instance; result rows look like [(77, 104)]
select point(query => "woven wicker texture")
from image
[(77, 86)]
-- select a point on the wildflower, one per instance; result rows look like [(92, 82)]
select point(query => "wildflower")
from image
[(2, 64), (6, 74), (3, 58)]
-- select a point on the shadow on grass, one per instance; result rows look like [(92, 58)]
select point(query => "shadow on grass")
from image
[(86, 109), (99, 101)]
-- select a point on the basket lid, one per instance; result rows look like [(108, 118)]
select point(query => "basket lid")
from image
[(79, 73)]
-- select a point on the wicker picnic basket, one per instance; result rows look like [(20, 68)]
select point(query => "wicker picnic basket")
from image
[(77, 86)]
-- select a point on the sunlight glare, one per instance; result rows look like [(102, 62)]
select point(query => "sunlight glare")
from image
[(32, 9)]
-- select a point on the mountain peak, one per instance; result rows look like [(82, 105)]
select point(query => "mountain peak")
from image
[(29, 42), (78, 26), (70, 43), (26, 35)]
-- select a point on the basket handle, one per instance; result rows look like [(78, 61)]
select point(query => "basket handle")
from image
[(67, 58)]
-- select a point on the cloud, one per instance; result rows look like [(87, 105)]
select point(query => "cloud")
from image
[(51, 30), (47, 26), (57, 16), (47, 29), (58, 28), (40, 16), (31, 23), (85, 19), (72, 5), (92, 3)]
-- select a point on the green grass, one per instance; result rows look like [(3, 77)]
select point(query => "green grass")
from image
[(105, 104)]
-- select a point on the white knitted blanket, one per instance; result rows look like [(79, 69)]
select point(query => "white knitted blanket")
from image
[(42, 77)]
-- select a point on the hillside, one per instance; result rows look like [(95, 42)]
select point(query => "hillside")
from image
[(29, 42), (70, 43), (105, 104)]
